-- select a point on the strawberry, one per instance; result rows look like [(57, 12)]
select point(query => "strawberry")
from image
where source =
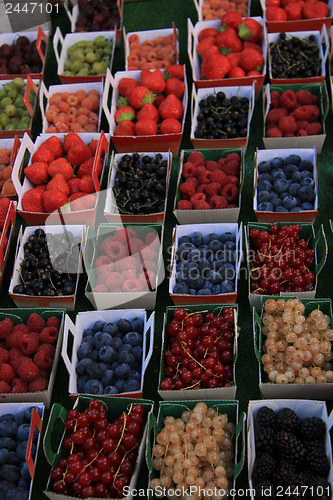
[(237, 72), (175, 86), (170, 126), (171, 107), (43, 153), (205, 44), (78, 154), (207, 32), (176, 70), (32, 200), (146, 126), (93, 146), (251, 45), (125, 128), (233, 59), (4, 206), (55, 144), (315, 10), (53, 200), (294, 10), (149, 111), (74, 185), (138, 96), (60, 166), (158, 100), (82, 201), (250, 30), (251, 59), (212, 50), (153, 80), (276, 14), (125, 84), (87, 166), (231, 19), (124, 113), (70, 139), (37, 172), (121, 102), (58, 182), (228, 41), (215, 67), (86, 184)]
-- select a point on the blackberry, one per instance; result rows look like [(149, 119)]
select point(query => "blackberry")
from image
[(321, 489), (289, 447), (266, 417), (264, 440), (263, 468), (287, 420), (283, 471), (317, 460), (313, 428)]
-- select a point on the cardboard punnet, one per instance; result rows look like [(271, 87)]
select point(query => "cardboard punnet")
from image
[(31, 84), (309, 141), (44, 95), (192, 42), (85, 320), (74, 14), (321, 37), (214, 393), (269, 154), (175, 409), (68, 41), (6, 238), (151, 35), (298, 24), (66, 301), (35, 424), (13, 144), (10, 38), (115, 407), (213, 214), (304, 409), (199, 4), (273, 390), (205, 229), (199, 94), (111, 212), (125, 144), (308, 233), (58, 217), (146, 298), (21, 316)]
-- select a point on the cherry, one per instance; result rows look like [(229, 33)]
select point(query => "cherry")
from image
[(95, 472), (82, 420), (186, 376), (180, 314), (101, 490), (197, 319), (126, 467), (166, 384), (226, 357), (72, 414), (67, 443), (115, 458), (56, 473), (60, 487), (107, 477), (212, 383), (169, 371), (84, 478), (88, 491), (114, 430), (129, 440), (70, 424), (171, 360)]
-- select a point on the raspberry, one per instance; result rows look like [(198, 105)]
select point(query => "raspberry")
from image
[(314, 128), (187, 189), (302, 133), (201, 205), (49, 335), (220, 177), (133, 285), (4, 388), (314, 99), (102, 247), (201, 188), (193, 180), (232, 167), (315, 113), (303, 97), (35, 323), (43, 360), (4, 355), (126, 263), (13, 339), (102, 271), (289, 134), (113, 281), (29, 342), (123, 234), (198, 197), (274, 115), (7, 373), (274, 132), (100, 289), (205, 176), (270, 125), (301, 124), (151, 265), (53, 321), (48, 348), (188, 170), (196, 158), (102, 261), (212, 165), (148, 277), (275, 99), (303, 113), (287, 125), (6, 326), (288, 100), (213, 188), (148, 253), (28, 371), (136, 246), (218, 202), (15, 357), (233, 180), (38, 385), (152, 240), (184, 205), (222, 162), (116, 250), (129, 274), (19, 386), (230, 192), (21, 327)]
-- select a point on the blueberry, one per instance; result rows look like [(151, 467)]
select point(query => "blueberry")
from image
[(28, 412), (4, 455), (296, 209), (81, 382), (126, 347), (184, 239), (192, 291), (307, 206), (98, 326), (93, 386), (82, 366), (264, 186), (297, 177), (21, 449), (84, 350), (264, 167), (294, 188), (265, 177), (96, 370), (7, 416), (110, 328), (133, 338), (11, 472), (107, 354), (180, 277), (8, 443), (183, 251), (265, 206), (277, 162), (126, 357), (94, 355), (89, 341), (280, 208), (17, 494), (137, 325), (4, 487), (280, 185), (205, 291), (19, 417), (295, 159), (227, 256), (133, 385), (181, 288), (120, 384), (196, 283), (308, 181), (305, 165), (123, 370), (111, 390), (276, 202), (227, 286), (306, 193), (227, 271), (102, 339), (216, 289), (278, 174), (134, 375), (196, 238), (215, 245), (230, 245), (192, 270), (115, 365), (204, 266), (194, 255), (88, 332), (289, 202), (263, 197), (214, 277), (108, 378), (8, 428), (290, 169), (210, 237), (24, 483), (124, 326), (208, 284), (13, 459), (137, 352), (22, 432), (116, 343)]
